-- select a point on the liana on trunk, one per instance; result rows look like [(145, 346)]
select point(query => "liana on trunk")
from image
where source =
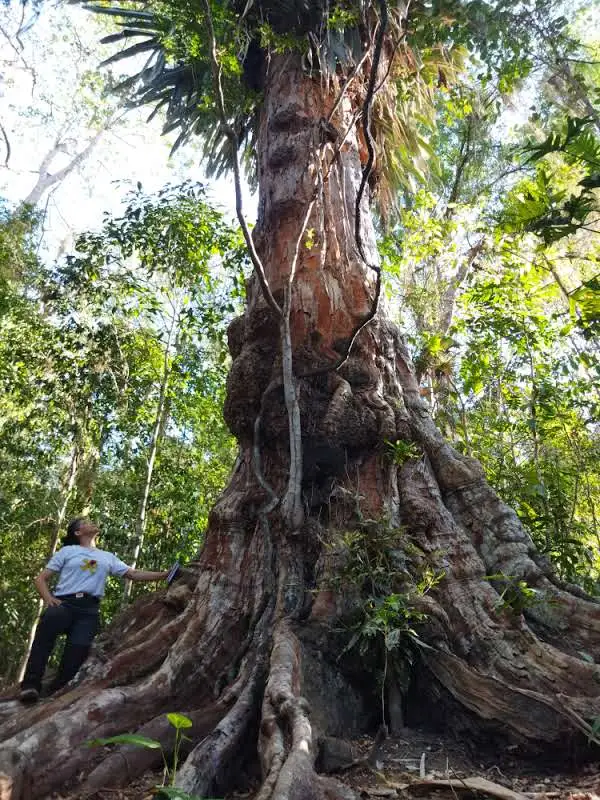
[(253, 644)]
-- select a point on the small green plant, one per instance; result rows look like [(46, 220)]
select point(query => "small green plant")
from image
[(279, 42), (515, 595), (401, 451), (377, 567), (178, 721), (390, 618), (341, 18), (391, 621), (309, 238), (594, 734), (395, 615)]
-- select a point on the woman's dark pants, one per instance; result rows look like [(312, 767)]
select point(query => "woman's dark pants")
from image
[(79, 619)]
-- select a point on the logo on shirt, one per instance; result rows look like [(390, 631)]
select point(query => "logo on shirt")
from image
[(89, 565)]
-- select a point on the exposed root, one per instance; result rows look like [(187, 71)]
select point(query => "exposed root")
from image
[(15, 776), (373, 758), (132, 663), (216, 759), (528, 714), (486, 655), (333, 789), (213, 760), (286, 745), (103, 714)]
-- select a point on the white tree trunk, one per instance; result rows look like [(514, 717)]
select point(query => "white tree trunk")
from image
[(157, 429), (46, 179)]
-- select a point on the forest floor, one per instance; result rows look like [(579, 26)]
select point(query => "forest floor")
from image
[(414, 766)]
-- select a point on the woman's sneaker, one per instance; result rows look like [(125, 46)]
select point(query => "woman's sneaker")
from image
[(29, 695)]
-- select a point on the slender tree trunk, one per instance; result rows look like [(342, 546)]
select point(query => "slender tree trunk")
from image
[(68, 487), (157, 430), (250, 640), (88, 469)]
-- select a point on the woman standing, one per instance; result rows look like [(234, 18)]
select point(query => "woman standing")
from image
[(74, 606)]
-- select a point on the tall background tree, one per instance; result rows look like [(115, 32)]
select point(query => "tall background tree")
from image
[(67, 132), (86, 352), (333, 107)]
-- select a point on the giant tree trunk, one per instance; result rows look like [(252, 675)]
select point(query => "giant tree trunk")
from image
[(252, 653)]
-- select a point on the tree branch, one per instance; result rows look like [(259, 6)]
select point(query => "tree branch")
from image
[(20, 55), (46, 180), (465, 154), (7, 143)]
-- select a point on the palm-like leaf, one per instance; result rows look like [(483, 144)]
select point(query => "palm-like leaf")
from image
[(182, 90), (404, 115), (176, 78)]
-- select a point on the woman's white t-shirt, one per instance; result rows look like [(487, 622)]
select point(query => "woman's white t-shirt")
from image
[(84, 569)]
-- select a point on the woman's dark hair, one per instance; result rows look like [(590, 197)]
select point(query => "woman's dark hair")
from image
[(73, 527)]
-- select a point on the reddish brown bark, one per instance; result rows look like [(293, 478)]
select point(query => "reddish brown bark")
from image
[(253, 654)]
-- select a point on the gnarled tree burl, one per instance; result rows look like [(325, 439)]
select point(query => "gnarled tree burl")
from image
[(249, 647)]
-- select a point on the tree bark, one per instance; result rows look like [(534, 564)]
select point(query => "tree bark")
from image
[(249, 642)]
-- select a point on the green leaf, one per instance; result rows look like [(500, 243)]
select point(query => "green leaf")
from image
[(595, 732), (174, 793), (586, 656), (126, 738), (179, 721)]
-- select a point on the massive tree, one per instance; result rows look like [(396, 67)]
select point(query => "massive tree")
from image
[(337, 451)]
